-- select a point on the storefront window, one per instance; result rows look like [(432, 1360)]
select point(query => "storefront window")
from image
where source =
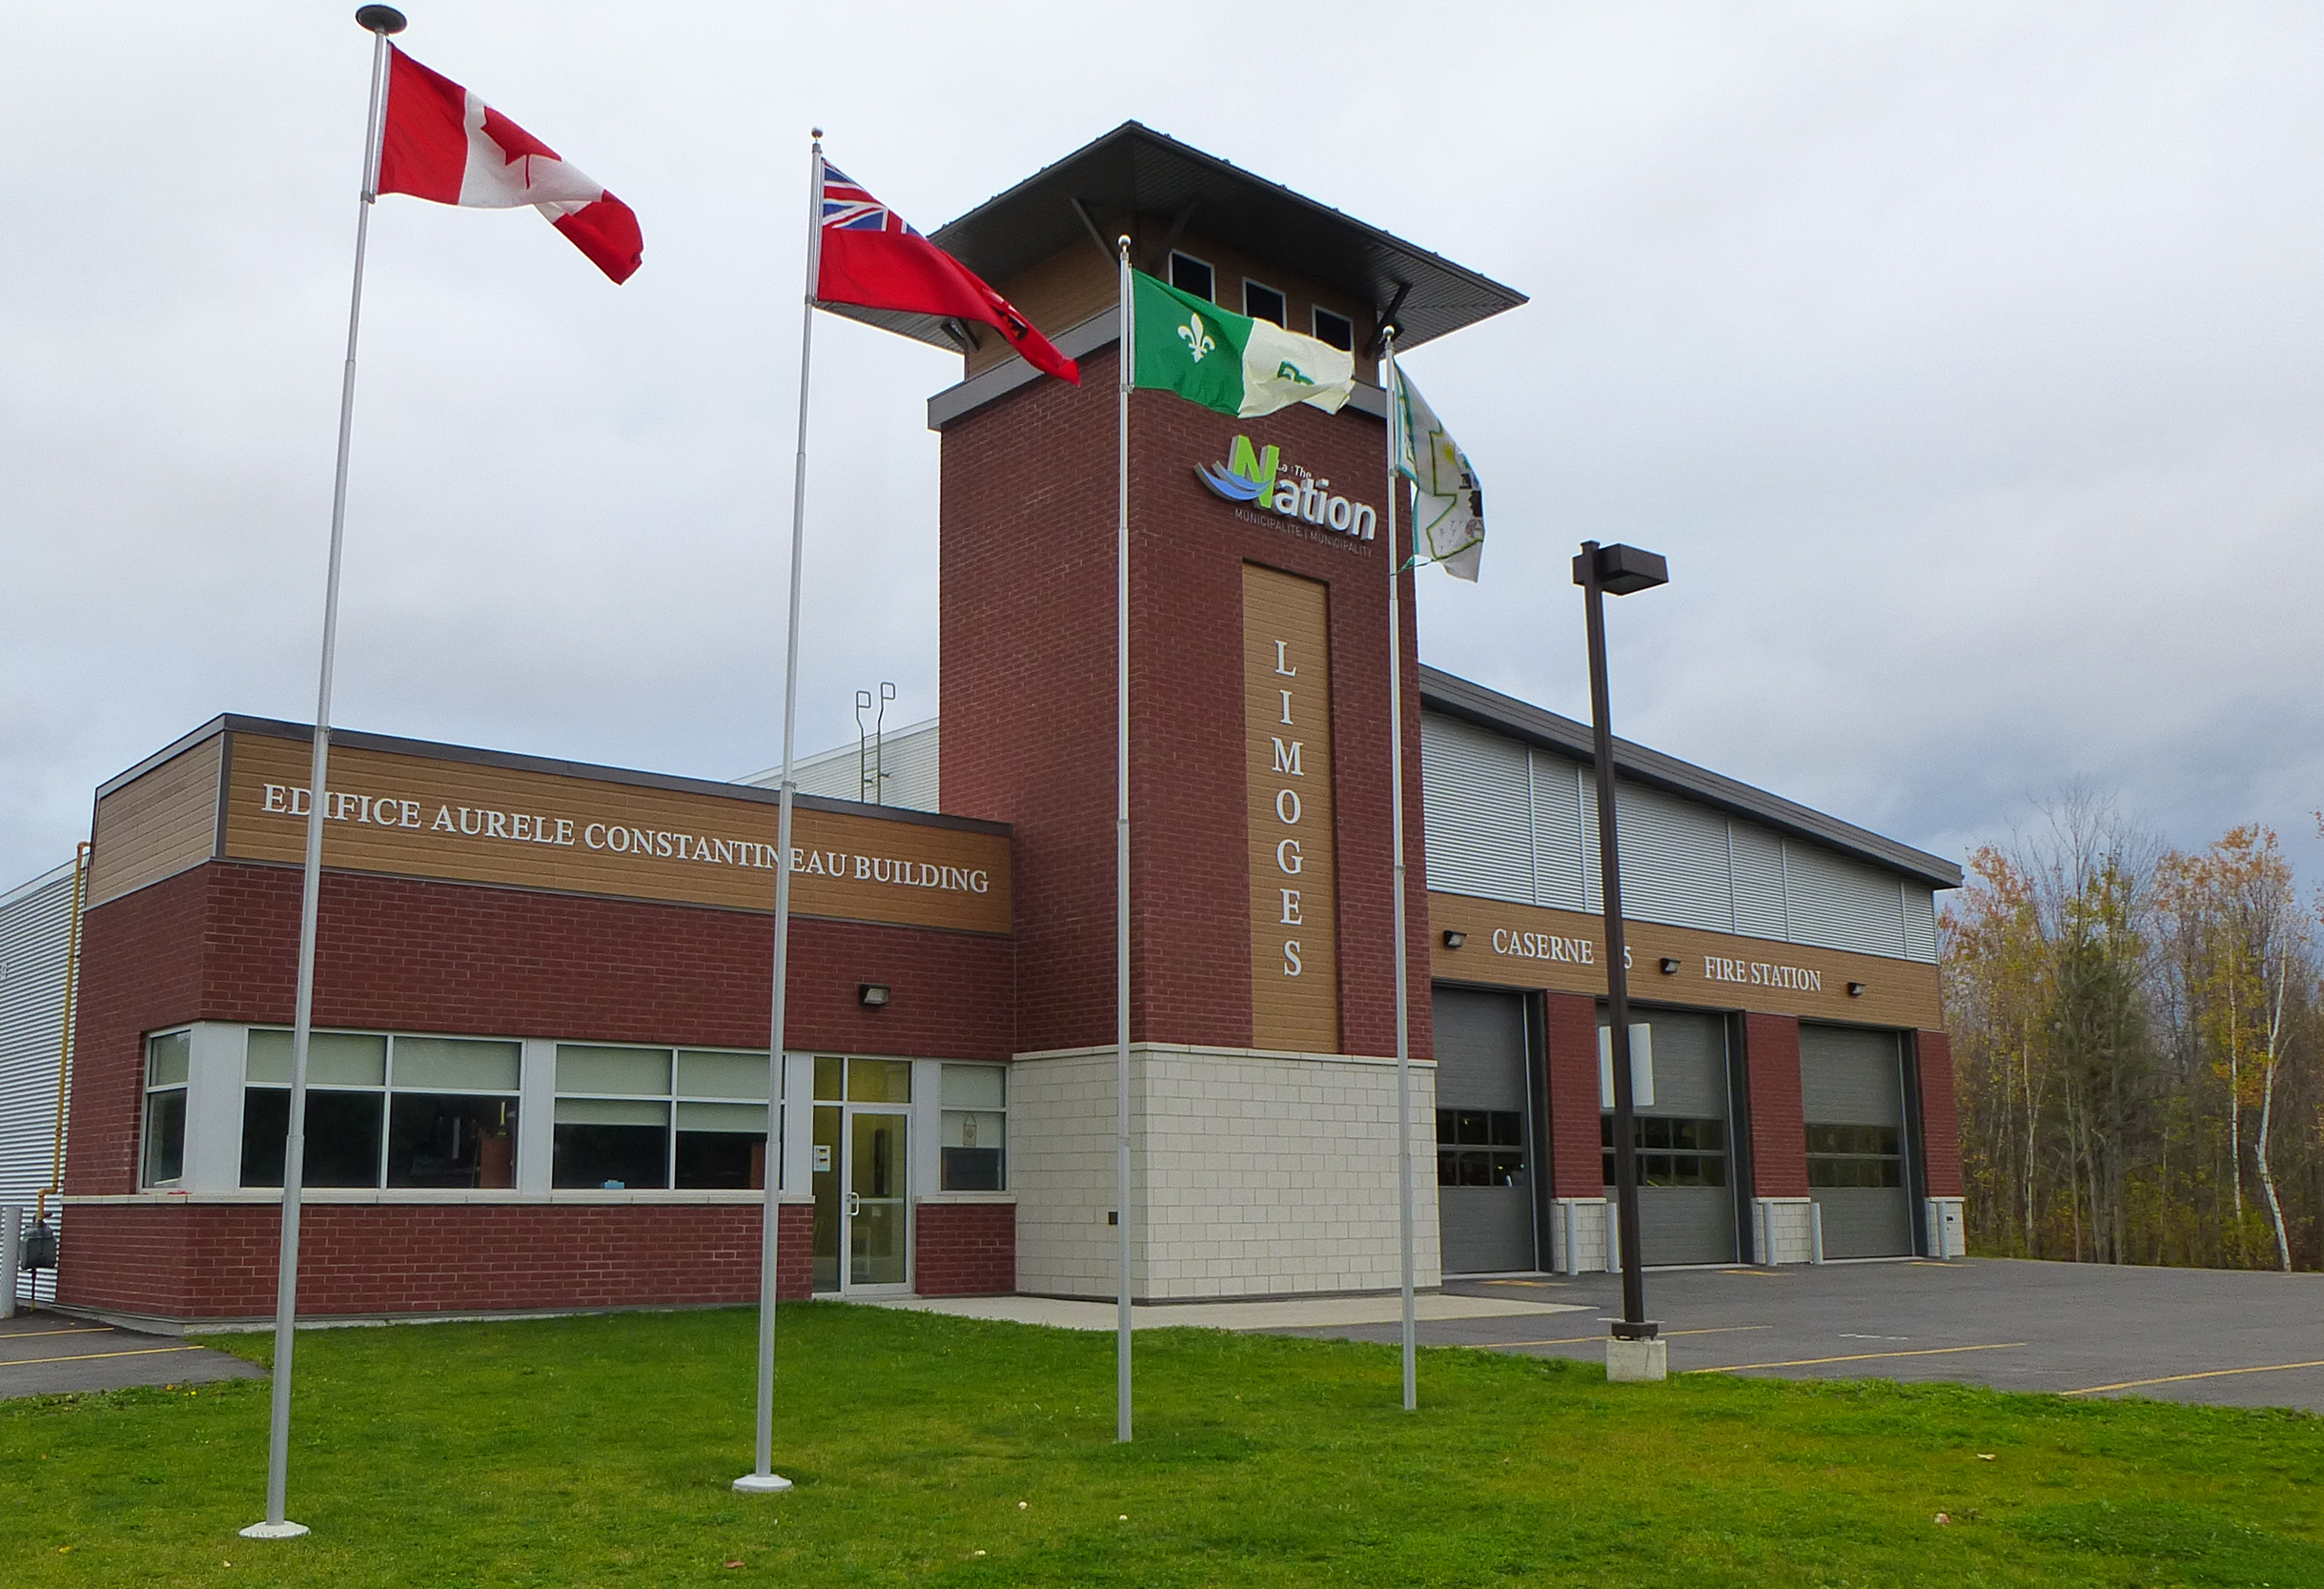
[(166, 1059), (975, 1128), (396, 1112), (629, 1119)]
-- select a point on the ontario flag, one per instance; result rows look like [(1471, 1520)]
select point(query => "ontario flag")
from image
[(443, 143), (867, 257)]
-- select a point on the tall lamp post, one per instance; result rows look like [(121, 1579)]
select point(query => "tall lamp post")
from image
[(1635, 1349)]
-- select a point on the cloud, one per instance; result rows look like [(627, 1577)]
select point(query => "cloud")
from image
[(1965, 360)]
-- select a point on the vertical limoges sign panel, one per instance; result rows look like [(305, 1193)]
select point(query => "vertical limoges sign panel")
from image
[(1287, 717)]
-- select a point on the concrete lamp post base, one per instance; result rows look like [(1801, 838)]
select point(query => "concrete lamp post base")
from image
[(1634, 1363), (285, 1530), (761, 1483)]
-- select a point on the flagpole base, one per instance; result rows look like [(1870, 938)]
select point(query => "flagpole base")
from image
[(761, 1484), (284, 1530)]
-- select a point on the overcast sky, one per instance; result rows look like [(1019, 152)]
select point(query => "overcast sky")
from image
[(1967, 361)]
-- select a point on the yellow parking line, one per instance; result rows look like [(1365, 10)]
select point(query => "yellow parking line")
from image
[(1859, 1357), (2177, 1378), (1577, 1340), (91, 1357), (81, 1330)]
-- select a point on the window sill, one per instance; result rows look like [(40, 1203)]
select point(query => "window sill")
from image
[(429, 1195), (965, 1198)]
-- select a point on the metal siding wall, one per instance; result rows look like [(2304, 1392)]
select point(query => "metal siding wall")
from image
[(35, 927), (1673, 861), (1839, 904), (1920, 923), (1477, 808), (1759, 881), (1558, 788)]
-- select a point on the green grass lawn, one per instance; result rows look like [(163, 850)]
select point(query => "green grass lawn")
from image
[(599, 1451)]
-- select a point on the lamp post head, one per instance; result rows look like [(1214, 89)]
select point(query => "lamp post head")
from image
[(1620, 570), (379, 19)]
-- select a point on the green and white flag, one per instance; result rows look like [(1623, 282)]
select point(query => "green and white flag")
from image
[(1230, 362), (1448, 508)]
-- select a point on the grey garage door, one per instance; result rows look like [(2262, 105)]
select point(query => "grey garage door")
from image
[(1686, 1168), (1852, 1096), (1484, 1160)]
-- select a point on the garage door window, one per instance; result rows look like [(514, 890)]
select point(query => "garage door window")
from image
[(1671, 1151), (1855, 1156), (1481, 1146)]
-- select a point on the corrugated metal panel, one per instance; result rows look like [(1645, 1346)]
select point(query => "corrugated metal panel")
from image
[(1478, 806), (908, 771), (1480, 1049), (34, 927), (1850, 1077), (1920, 923), (1558, 788), (1593, 875), (1836, 904), (1673, 861), (1759, 881)]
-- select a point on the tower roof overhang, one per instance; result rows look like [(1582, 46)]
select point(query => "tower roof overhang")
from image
[(1083, 200)]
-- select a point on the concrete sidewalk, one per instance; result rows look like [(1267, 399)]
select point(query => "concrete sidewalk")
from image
[(1297, 1313)]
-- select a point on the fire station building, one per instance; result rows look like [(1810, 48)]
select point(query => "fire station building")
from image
[(540, 1078)]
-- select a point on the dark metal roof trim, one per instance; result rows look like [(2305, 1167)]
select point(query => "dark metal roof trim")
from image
[(1135, 169), (1079, 340), (389, 745), (1488, 709)]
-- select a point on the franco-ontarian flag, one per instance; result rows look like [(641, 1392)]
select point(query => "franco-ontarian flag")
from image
[(1448, 508), (1230, 362)]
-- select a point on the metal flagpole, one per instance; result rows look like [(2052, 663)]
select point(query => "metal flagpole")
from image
[(1121, 867), (382, 21), (763, 1478), (1395, 786)]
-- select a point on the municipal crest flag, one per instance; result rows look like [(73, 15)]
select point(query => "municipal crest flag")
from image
[(1230, 362), (1448, 506)]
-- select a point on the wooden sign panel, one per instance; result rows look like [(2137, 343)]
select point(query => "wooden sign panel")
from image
[(1525, 946), (1287, 718), (416, 816)]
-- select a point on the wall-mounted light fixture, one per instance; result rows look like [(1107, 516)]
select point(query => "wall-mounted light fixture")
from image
[(1454, 940), (1855, 989), (873, 995), (1670, 966)]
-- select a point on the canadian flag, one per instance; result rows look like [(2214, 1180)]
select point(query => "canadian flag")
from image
[(443, 143)]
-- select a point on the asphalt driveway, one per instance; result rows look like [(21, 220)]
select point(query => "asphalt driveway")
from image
[(2230, 1337), (43, 1354)]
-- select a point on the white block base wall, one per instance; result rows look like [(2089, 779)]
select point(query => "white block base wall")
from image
[(1252, 1174), (1948, 1236), (1578, 1242), (1784, 1229)]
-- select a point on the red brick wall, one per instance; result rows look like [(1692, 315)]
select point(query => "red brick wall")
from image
[(218, 1262), (1940, 1115), (221, 943), (965, 1249), (1577, 1157), (1027, 664), (1779, 1131)]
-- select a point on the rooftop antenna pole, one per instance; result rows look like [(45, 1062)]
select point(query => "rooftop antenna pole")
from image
[(878, 743), (380, 22), (863, 745)]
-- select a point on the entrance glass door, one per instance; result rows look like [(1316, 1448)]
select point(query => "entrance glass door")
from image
[(861, 1175), (875, 1206)]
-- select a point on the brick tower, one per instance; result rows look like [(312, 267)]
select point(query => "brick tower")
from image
[(1262, 999)]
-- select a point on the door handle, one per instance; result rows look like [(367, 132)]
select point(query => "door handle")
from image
[(855, 1204)]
